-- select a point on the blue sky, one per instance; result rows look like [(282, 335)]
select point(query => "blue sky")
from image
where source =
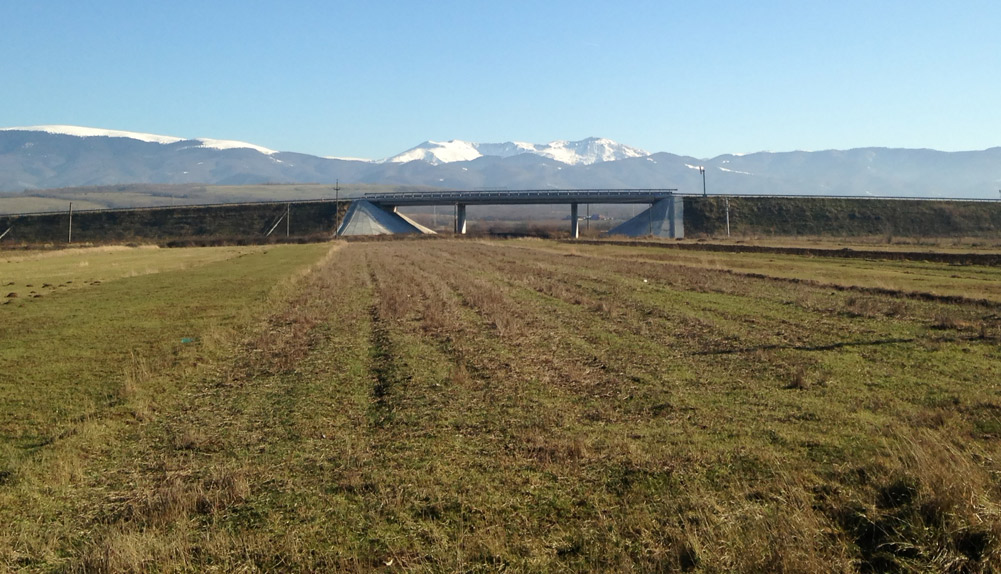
[(371, 79)]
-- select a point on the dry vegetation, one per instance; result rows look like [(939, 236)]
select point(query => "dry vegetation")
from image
[(532, 406)]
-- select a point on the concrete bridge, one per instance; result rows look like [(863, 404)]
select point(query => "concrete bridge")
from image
[(377, 213)]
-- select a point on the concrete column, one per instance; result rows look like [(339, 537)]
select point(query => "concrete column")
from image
[(574, 222), (460, 218)]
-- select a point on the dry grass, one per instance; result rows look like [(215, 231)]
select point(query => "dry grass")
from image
[(76, 252), (480, 406)]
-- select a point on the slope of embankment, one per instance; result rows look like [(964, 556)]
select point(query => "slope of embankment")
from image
[(704, 217), (224, 223), (841, 216)]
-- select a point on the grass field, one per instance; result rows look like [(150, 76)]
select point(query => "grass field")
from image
[(487, 406)]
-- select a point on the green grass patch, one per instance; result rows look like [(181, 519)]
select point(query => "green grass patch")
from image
[(104, 318), (495, 406)]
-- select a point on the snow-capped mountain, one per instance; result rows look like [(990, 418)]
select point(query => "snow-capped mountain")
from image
[(584, 152), (46, 157), (84, 132)]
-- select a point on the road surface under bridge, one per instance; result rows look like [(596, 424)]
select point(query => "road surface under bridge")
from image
[(377, 213)]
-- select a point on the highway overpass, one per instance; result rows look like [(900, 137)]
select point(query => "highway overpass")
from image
[(377, 213)]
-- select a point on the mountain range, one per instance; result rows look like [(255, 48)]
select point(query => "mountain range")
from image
[(45, 157), (584, 152)]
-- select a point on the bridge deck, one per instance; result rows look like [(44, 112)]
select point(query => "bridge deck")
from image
[(516, 197)]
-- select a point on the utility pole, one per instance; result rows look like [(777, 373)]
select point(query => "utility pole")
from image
[(702, 170), (727, 200), (70, 238), (288, 215)]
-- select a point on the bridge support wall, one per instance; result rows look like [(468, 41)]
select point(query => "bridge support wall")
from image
[(366, 218), (574, 222), (665, 218)]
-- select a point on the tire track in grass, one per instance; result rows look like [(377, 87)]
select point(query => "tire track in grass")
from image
[(435, 457), (489, 458), (237, 473), (504, 426), (555, 436), (590, 474), (382, 358), (604, 500)]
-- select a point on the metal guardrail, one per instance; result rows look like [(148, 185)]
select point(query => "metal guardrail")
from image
[(591, 194), (184, 206), (875, 197), (521, 196), (371, 196)]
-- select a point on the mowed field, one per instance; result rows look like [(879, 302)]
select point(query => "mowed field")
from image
[(487, 406)]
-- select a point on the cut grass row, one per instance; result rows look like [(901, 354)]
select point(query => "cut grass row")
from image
[(971, 281), (84, 363), (488, 406), (762, 413), (69, 355)]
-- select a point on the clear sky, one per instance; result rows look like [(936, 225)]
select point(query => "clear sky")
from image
[(374, 78)]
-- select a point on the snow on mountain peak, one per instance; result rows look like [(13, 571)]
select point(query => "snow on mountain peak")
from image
[(231, 144), (85, 132), (437, 153), (583, 152), (589, 151)]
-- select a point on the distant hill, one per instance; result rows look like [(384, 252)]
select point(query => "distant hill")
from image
[(67, 156)]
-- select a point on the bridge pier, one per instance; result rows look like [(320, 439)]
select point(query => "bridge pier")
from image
[(574, 222), (460, 218)]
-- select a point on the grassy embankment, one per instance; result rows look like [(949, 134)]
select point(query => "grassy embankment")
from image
[(224, 224), (888, 219), (529, 406)]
